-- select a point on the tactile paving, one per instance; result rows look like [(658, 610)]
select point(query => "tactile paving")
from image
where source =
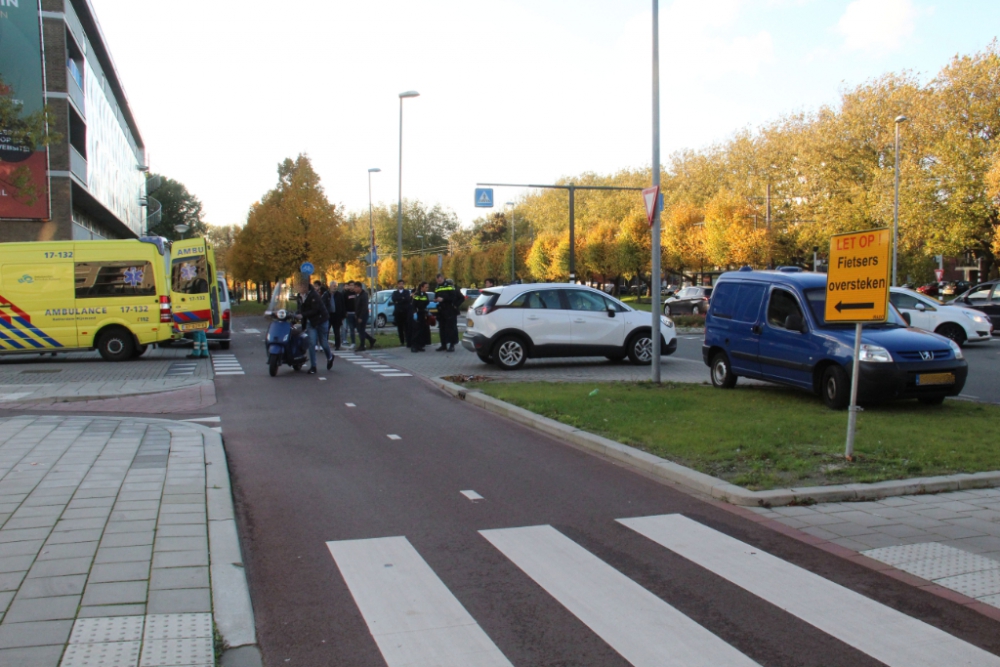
[(993, 600), (974, 584), (170, 652), (911, 552), (178, 626), (107, 629), (949, 566), (107, 654)]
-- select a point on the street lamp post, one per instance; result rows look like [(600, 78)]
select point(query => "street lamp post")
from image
[(399, 209), (655, 277), (181, 229), (371, 227), (512, 256), (895, 203), (422, 269)]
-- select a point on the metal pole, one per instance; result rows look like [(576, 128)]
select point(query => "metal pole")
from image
[(399, 209), (371, 231), (852, 418), (895, 202), (572, 237), (513, 260), (768, 218), (655, 277)]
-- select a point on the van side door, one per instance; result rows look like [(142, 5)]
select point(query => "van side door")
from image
[(736, 324), (117, 287), (786, 355)]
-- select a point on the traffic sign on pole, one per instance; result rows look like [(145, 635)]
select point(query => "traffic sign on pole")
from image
[(857, 290), (484, 197), (939, 274), (857, 283), (650, 197), (307, 268)]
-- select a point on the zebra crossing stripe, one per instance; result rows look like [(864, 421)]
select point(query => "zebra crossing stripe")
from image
[(412, 616), (889, 636), (644, 629)]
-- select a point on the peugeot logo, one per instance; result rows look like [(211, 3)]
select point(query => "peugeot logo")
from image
[(926, 355)]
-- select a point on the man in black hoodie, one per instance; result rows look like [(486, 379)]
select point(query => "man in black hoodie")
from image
[(337, 314), (317, 321), (361, 315)]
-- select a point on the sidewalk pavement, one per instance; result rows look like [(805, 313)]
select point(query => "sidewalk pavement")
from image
[(118, 545)]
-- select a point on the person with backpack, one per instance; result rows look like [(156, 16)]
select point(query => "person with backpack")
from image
[(317, 321)]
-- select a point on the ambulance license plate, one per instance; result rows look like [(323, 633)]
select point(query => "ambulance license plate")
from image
[(927, 379), (192, 326)]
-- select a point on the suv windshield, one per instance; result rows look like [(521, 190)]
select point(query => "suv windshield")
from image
[(817, 304)]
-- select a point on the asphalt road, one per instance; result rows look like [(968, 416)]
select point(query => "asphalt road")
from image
[(309, 470), (983, 383)]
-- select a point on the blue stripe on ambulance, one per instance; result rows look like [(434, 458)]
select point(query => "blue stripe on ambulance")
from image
[(10, 341), (38, 332), (20, 333)]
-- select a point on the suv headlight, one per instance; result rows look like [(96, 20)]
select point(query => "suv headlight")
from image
[(667, 322), (956, 349), (874, 353), (975, 316)]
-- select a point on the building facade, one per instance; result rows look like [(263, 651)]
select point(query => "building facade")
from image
[(94, 182)]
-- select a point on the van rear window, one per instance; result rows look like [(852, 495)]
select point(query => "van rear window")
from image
[(110, 279), (189, 275)]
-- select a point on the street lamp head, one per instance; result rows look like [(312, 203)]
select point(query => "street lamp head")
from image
[(373, 170), (181, 229), (409, 93), (901, 119), (510, 203)]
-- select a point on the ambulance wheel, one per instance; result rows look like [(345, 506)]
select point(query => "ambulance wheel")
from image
[(223, 344), (115, 344), (139, 351)]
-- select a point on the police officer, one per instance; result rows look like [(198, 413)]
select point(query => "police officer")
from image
[(420, 331), (448, 298), (401, 310)]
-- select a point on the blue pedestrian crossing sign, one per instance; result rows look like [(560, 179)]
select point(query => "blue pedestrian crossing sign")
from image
[(484, 197)]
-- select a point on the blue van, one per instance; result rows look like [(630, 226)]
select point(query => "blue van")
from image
[(769, 325)]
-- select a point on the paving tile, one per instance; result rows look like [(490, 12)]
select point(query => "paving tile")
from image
[(102, 653), (897, 501), (188, 517), (853, 544), (876, 540), (23, 534), (902, 530), (974, 584), (182, 530), (117, 629), (177, 601), (129, 527), (137, 505), (938, 513), (42, 609), (9, 581), (954, 532), (183, 559), (44, 587), (122, 592), (79, 524), (185, 498), (36, 633), (180, 544), (134, 571), (980, 544), (26, 548), (79, 503), (15, 563), (848, 529), (924, 522), (180, 577), (58, 568), (127, 539), (6, 597), (31, 522), (35, 656), (72, 550), (123, 554), (71, 536), (104, 611)]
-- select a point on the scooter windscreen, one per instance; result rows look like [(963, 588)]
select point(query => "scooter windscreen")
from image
[(281, 298)]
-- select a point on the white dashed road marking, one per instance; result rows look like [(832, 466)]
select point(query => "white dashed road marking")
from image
[(393, 436), (471, 495), (226, 364), (350, 405)]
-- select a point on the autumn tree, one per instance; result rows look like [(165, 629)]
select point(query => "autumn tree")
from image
[(180, 207)]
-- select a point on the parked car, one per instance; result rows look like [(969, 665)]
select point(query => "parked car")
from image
[(470, 293), (931, 289), (984, 297), (954, 322), (771, 325), (690, 300), (954, 288), (382, 311), (223, 333), (508, 325)]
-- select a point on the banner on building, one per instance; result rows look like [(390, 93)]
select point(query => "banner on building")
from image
[(24, 184)]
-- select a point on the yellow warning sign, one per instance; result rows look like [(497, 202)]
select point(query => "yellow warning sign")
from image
[(857, 285)]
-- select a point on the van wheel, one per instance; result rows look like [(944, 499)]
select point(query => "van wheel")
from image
[(140, 350), (835, 387), (510, 353), (223, 344), (640, 349), (722, 373), (954, 332), (116, 344)]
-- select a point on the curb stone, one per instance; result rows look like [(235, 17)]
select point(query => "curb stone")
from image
[(231, 606), (712, 486)]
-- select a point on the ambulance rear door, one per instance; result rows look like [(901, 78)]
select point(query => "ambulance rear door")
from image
[(192, 275)]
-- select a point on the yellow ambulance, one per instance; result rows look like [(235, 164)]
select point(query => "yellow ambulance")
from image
[(117, 297)]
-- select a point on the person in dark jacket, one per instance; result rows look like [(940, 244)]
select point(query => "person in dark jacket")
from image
[(317, 321), (401, 310), (350, 300), (448, 298), (420, 330), (361, 316), (339, 309)]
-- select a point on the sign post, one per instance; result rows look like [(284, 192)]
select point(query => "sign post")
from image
[(857, 290)]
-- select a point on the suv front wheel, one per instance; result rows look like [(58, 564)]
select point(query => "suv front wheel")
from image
[(510, 353), (640, 349)]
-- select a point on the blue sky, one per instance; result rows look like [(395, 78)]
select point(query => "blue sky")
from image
[(511, 90)]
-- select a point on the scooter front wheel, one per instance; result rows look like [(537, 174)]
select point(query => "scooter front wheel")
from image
[(272, 364)]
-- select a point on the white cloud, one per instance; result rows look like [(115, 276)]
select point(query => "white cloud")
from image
[(877, 26)]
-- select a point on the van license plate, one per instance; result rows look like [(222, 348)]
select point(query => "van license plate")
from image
[(193, 326), (927, 379)]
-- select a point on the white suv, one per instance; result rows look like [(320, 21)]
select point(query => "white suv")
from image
[(507, 325)]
